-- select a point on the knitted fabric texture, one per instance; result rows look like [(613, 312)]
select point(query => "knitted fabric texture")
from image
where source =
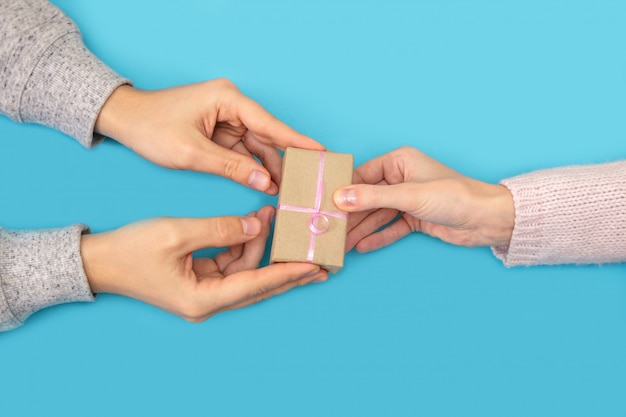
[(39, 269), (573, 215), (47, 76)]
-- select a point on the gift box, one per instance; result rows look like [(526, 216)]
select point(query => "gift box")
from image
[(309, 227)]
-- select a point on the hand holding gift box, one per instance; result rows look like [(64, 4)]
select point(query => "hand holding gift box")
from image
[(309, 227)]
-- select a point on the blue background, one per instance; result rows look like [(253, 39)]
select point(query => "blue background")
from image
[(493, 88)]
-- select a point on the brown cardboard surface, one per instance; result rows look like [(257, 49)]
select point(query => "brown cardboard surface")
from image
[(292, 235)]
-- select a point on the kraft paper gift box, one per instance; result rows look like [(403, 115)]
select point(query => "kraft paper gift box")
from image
[(309, 227)]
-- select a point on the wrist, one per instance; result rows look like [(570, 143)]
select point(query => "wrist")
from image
[(115, 117), (91, 251), (500, 216)]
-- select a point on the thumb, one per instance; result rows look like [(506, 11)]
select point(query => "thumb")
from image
[(215, 232), (235, 166), (361, 197)]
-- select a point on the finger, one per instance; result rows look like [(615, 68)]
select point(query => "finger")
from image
[(401, 165), (241, 148), (319, 277), (354, 219), (239, 287), (225, 258), (403, 197), (371, 172), (369, 225), (275, 179), (189, 234), (385, 237), (205, 267), (253, 250), (270, 130), (233, 165), (225, 137), (267, 154), (270, 159)]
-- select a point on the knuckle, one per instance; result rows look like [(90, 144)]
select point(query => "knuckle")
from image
[(192, 311), (185, 157), (407, 151), (223, 82), (222, 228), (171, 235), (413, 223), (232, 167)]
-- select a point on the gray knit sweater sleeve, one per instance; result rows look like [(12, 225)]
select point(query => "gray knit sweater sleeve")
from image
[(39, 269), (47, 75)]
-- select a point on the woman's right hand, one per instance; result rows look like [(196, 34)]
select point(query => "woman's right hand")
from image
[(429, 197)]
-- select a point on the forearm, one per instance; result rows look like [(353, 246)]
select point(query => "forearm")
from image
[(48, 75), (568, 215), (39, 269)]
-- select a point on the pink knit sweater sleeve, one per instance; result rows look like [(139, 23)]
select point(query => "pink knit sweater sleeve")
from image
[(568, 215)]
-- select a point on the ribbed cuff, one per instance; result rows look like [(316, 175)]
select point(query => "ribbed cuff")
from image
[(568, 215), (39, 269), (68, 88), (28, 29)]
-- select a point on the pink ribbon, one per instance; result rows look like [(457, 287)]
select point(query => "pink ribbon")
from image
[(318, 221)]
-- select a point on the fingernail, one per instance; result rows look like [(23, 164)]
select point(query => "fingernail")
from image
[(259, 180), (346, 197), (266, 214), (251, 226), (273, 190)]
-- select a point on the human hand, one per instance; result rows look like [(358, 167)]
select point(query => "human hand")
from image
[(152, 261), (208, 127), (429, 197)]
